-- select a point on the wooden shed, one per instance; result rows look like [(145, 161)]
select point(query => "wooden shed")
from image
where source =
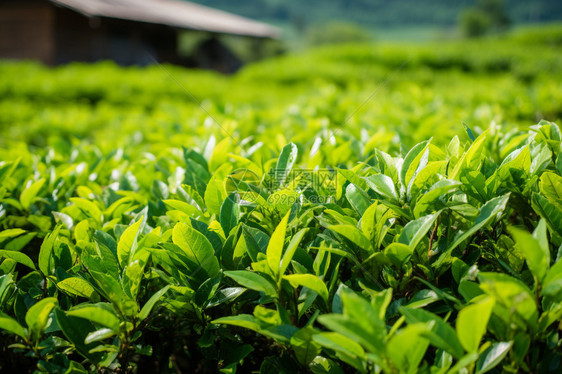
[(126, 31)]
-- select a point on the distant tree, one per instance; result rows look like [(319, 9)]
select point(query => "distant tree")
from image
[(485, 17), (337, 33), (474, 23), (496, 11)]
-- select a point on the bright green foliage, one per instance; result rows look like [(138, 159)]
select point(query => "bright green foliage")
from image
[(319, 249), (445, 260)]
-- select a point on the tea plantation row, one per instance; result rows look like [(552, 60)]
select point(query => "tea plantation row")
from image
[(443, 260)]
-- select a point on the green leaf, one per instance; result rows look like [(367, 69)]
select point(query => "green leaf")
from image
[(547, 210), (309, 281), (128, 243), (225, 295), (252, 281), (147, 308), (339, 342), (354, 235), (358, 198), (256, 241), (275, 246), (360, 321), (550, 186), (76, 286), (407, 347), (492, 356), (463, 362), (414, 231), (197, 248), (539, 234), (441, 334), (513, 295), (37, 316), (182, 206), (28, 195), (436, 192), (351, 329), (11, 233), (242, 320), (471, 158), (305, 348), (214, 195), (291, 249), (229, 212), (537, 258), (19, 257), (383, 185), (398, 253), (100, 313), (552, 284), (488, 213), (44, 259), (411, 162), (469, 132), (76, 330), (65, 219), (11, 325), (98, 335), (285, 163), (88, 208), (472, 322)]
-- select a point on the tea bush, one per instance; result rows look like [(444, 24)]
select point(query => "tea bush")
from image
[(443, 259)]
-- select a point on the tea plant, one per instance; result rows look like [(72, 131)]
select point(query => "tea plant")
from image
[(243, 257)]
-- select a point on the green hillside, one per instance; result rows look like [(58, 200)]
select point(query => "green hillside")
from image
[(379, 13)]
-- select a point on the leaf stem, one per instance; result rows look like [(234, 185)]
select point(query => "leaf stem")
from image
[(429, 251)]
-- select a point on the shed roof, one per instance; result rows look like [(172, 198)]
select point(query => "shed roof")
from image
[(174, 13)]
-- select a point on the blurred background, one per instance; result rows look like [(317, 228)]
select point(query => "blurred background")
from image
[(84, 70), (307, 23), (133, 31)]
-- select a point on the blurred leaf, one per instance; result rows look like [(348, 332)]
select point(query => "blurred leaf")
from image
[(275, 246), (398, 253), (382, 185), (18, 257), (77, 287), (37, 317), (147, 308), (492, 356), (358, 199), (407, 347), (472, 322), (29, 194), (550, 212), (285, 163), (230, 212), (100, 313), (414, 231), (550, 186), (441, 335), (354, 235), (310, 281), (45, 253), (537, 258), (252, 281), (11, 325), (128, 243)]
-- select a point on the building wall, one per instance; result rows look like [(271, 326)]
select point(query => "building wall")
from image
[(26, 31), (39, 30), (79, 38), (75, 37)]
